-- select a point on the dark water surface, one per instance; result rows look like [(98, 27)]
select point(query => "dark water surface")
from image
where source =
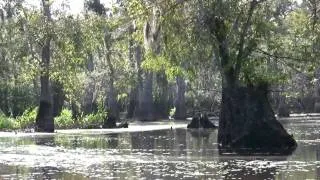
[(158, 154)]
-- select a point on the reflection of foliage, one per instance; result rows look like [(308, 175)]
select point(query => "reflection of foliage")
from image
[(90, 142), (282, 41)]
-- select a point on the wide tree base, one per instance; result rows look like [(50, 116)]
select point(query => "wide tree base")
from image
[(248, 124), (44, 119), (201, 121), (110, 122)]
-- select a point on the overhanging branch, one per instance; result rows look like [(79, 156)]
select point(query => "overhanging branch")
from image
[(280, 59)]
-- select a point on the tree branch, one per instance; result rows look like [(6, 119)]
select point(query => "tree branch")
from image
[(278, 58), (243, 34)]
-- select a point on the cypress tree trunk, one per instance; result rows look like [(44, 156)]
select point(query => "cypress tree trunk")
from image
[(44, 119), (89, 104), (145, 109), (171, 96), (316, 106), (134, 58), (137, 101), (132, 102), (180, 102), (58, 98), (248, 124), (152, 43), (283, 109), (111, 102), (162, 102), (112, 107), (75, 110)]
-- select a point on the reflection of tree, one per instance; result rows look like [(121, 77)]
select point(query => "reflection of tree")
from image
[(162, 141), (199, 133), (47, 172), (201, 143), (251, 167), (180, 141), (75, 141), (45, 141), (143, 140), (318, 159), (112, 141)]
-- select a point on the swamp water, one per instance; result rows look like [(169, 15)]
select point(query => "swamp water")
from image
[(162, 153)]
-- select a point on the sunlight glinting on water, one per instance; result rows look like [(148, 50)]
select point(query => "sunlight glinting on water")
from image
[(161, 153)]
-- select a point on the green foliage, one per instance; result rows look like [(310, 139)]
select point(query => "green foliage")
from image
[(256, 71), (28, 118), (16, 98), (7, 123), (65, 120), (188, 44), (93, 120), (158, 63), (172, 111)]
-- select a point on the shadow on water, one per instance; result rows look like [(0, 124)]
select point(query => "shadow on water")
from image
[(160, 154)]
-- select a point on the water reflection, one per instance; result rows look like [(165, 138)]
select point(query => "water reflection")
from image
[(18, 172), (45, 141), (236, 172), (162, 154)]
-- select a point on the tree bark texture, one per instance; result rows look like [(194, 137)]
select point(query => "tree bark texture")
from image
[(145, 109), (58, 98), (180, 102), (112, 107), (248, 124), (89, 104), (44, 119), (162, 100)]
